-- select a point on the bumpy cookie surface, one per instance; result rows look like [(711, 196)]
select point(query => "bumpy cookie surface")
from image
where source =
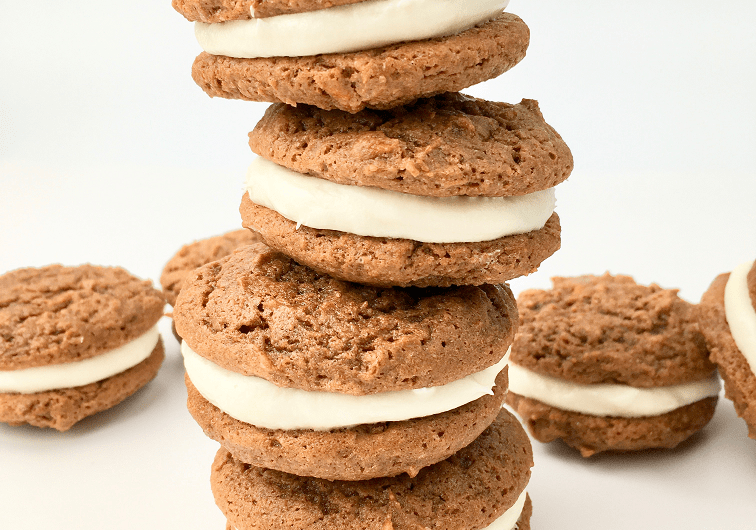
[(378, 78), (469, 490), (258, 312), (222, 10), (608, 329), (739, 380), (403, 262), (447, 145), (59, 314), (358, 453), (196, 254)]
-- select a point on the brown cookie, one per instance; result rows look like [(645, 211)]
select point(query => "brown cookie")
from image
[(403, 262), (737, 375), (222, 10), (607, 329), (59, 315), (377, 78), (258, 312), (198, 253), (357, 453), (468, 491), (447, 145)]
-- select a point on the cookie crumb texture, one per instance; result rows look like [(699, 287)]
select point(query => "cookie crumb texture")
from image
[(594, 434), (469, 490), (447, 145), (222, 10), (59, 314), (608, 329), (378, 78), (61, 409), (258, 312)]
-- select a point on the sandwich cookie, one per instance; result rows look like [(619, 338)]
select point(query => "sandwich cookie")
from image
[(74, 341), (449, 190), (363, 54), (728, 321), (297, 371), (607, 364), (482, 487)]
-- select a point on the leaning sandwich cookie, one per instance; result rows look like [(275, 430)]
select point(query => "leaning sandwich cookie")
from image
[(606, 364), (74, 341)]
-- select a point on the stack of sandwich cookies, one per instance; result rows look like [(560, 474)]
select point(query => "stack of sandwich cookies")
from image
[(606, 364), (728, 321), (360, 382), (74, 341), (448, 190), (351, 55)]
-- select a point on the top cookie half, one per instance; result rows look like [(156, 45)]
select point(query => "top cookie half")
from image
[(364, 54)]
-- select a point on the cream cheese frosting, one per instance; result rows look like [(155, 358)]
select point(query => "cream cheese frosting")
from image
[(344, 29), (508, 520), (78, 373), (740, 314), (608, 399), (260, 403), (369, 211)]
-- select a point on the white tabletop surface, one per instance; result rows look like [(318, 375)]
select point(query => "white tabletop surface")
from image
[(110, 154)]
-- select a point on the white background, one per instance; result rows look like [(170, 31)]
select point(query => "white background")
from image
[(110, 154)]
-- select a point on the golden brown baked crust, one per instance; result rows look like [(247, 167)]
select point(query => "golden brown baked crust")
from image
[(593, 434), (221, 10), (198, 253), (751, 280), (467, 491), (378, 78), (403, 262), (358, 453), (739, 380), (608, 329), (447, 145), (61, 409), (57, 314), (258, 312)]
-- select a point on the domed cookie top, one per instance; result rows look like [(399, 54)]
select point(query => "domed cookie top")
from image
[(223, 10), (447, 145), (258, 312)]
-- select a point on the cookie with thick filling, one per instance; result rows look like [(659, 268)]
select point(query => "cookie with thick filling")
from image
[(606, 364), (728, 321), (302, 372), (483, 486), (74, 341)]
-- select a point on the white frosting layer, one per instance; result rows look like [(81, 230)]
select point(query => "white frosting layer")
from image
[(258, 402), (508, 520), (608, 399), (78, 373), (369, 211), (342, 29), (741, 316)]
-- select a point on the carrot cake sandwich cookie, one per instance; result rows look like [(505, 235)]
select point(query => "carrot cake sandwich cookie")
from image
[(350, 54), (447, 190), (728, 321), (482, 487), (74, 341), (296, 371), (606, 364)]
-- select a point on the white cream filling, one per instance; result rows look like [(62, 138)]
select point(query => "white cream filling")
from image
[(78, 373), (608, 399), (369, 211), (258, 402), (740, 314), (508, 520), (343, 29)]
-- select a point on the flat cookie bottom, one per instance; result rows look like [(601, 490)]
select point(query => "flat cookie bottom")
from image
[(61, 409), (359, 453), (593, 434), (467, 491), (378, 78), (387, 262), (739, 380)]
